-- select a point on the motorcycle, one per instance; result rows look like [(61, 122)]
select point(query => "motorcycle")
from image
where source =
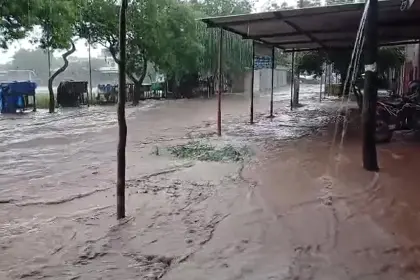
[(396, 114)]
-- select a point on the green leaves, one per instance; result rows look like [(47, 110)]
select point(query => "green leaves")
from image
[(16, 20), (222, 7), (311, 62), (57, 19)]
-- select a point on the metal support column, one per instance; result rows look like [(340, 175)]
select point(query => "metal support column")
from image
[(292, 82), (251, 107), (320, 86), (34, 100), (325, 80), (219, 96), (272, 83), (329, 80), (370, 95)]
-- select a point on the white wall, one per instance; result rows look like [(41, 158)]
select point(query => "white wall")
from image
[(262, 80)]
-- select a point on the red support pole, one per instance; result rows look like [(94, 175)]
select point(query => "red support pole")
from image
[(272, 83), (292, 83), (251, 107), (219, 96)]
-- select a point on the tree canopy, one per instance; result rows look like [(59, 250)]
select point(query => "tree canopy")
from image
[(311, 62), (213, 8), (158, 31), (16, 20)]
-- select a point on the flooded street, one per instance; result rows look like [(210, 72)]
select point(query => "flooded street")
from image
[(296, 208)]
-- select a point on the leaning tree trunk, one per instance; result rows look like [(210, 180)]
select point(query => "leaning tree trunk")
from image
[(138, 83), (137, 92), (122, 125), (58, 72)]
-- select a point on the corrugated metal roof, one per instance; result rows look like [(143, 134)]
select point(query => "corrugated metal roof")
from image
[(328, 27)]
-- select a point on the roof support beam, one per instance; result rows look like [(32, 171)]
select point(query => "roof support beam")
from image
[(349, 40), (350, 47), (343, 8), (307, 34), (347, 29), (290, 34), (300, 30)]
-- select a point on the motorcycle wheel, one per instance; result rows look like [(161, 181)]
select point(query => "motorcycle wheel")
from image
[(382, 133), (414, 121)]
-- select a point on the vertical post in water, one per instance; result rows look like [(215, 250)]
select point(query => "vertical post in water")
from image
[(325, 81), (320, 85), (329, 80), (122, 125), (251, 107), (219, 96), (272, 83), (292, 83), (90, 72), (370, 95)]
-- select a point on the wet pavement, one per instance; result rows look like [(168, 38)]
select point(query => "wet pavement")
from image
[(299, 208)]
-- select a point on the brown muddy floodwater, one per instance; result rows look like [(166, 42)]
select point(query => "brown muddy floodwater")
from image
[(298, 209)]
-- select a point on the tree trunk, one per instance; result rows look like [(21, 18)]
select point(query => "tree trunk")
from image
[(58, 72), (113, 52), (122, 125), (138, 93), (138, 84)]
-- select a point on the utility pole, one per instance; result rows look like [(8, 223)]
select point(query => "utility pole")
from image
[(122, 124), (295, 73), (370, 95)]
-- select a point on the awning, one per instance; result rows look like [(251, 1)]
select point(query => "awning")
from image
[(328, 27)]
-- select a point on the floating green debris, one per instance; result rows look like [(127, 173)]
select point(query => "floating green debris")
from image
[(207, 152)]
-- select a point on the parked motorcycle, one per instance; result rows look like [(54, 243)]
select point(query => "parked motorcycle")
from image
[(396, 114)]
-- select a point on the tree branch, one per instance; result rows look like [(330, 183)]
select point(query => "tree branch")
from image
[(113, 51), (58, 72), (143, 73), (66, 61), (132, 76)]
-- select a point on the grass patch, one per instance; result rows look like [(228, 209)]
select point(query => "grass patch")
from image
[(43, 101), (207, 152)]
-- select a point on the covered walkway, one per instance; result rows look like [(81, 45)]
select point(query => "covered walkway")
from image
[(328, 27)]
